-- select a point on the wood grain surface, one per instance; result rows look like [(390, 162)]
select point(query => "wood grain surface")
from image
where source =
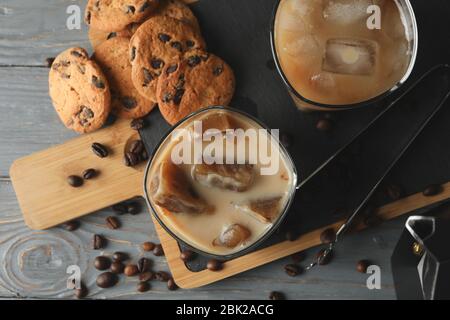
[(33, 263)]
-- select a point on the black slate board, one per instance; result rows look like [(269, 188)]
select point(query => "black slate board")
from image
[(238, 31)]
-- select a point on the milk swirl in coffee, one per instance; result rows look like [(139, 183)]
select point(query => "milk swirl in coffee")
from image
[(220, 207)]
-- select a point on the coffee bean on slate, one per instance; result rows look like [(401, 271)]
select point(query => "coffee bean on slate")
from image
[(82, 292), (137, 124), (136, 147), (187, 255), (131, 270), (362, 266), (148, 246), (120, 256), (117, 267), (298, 257), (323, 259), (171, 285), (432, 190), (134, 208), (90, 174), (100, 150), (214, 265), (162, 276), (275, 295), (131, 159), (292, 270), (112, 222), (120, 208), (146, 276), (98, 242), (158, 250), (394, 192), (324, 125), (106, 280), (143, 286), (102, 263), (327, 236), (71, 225), (75, 181), (144, 264), (49, 61)]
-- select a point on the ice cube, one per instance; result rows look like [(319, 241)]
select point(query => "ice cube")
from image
[(323, 81), (232, 236), (172, 190), (346, 11), (265, 210), (304, 45), (234, 177), (295, 16), (350, 56)]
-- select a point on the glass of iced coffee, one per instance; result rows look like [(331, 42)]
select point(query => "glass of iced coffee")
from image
[(342, 54), (220, 182)]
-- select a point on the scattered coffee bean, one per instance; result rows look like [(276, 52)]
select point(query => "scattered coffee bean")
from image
[(143, 286), (71, 225), (113, 222), (146, 276), (327, 236), (158, 250), (102, 263), (98, 242), (89, 174), (324, 125), (432, 190), (137, 124), (148, 246), (144, 264), (323, 259), (162, 276), (49, 61), (120, 256), (134, 208), (292, 270), (298, 257), (394, 192), (120, 208), (75, 181), (131, 270), (100, 150), (82, 292), (117, 267), (171, 285), (275, 295), (187, 255), (362, 266), (106, 280), (136, 147), (214, 265), (131, 159)]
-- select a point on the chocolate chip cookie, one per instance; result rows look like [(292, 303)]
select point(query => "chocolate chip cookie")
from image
[(79, 91), (116, 15), (112, 57), (199, 80), (158, 42)]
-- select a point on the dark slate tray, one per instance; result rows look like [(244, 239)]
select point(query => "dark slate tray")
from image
[(238, 31)]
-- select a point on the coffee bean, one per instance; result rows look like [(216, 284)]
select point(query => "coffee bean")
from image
[(137, 124), (120, 208), (292, 270), (362, 266), (148, 246), (89, 174), (144, 264), (162, 276), (432, 190), (102, 263), (328, 236), (136, 147), (131, 270), (113, 222), (100, 150), (106, 280), (75, 181), (134, 208), (323, 259), (82, 292), (171, 285), (394, 192), (50, 61), (187, 255), (71, 225), (275, 295), (98, 242), (214, 265), (120, 256), (131, 159), (117, 267), (146, 276), (158, 250), (298, 257), (143, 286), (324, 125)]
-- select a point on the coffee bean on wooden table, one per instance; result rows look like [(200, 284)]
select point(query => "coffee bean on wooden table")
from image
[(143, 286), (171, 285), (394, 192), (137, 124), (292, 270), (147, 276), (144, 264), (106, 280), (117, 267), (130, 159), (120, 256), (134, 208), (187, 255), (362, 266), (275, 295), (162, 276), (71, 225), (136, 147), (298, 257), (324, 125), (112, 222), (81, 292), (120, 208), (102, 263), (49, 61), (131, 270), (214, 265), (98, 242), (148, 246), (100, 150), (327, 236), (158, 250), (432, 190), (323, 259), (75, 181), (90, 174)]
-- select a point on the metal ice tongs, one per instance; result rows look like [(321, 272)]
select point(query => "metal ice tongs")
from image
[(360, 207)]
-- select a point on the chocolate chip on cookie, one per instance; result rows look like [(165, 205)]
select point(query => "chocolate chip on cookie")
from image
[(198, 81), (112, 56), (112, 16), (79, 91)]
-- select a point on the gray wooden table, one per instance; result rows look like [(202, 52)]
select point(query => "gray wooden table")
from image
[(33, 263)]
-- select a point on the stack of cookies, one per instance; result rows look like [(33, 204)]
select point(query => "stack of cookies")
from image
[(153, 55)]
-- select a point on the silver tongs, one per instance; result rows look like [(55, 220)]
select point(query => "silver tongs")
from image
[(361, 206)]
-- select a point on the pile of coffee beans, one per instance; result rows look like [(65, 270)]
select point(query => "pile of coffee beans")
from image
[(135, 153), (131, 207)]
